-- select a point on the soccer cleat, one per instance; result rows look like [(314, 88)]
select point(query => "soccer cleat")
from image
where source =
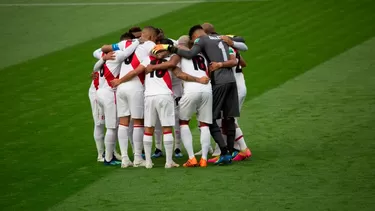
[(126, 163), (198, 153), (157, 154), (224, 159), (214, 159), (177, 153), (210, 150), (216, 152), (171, 165), (117, 155), (149, 165), (100, 158), (139, 163), (113, 162), (191, 163), (242, 155), (234, 154), (203, 163)]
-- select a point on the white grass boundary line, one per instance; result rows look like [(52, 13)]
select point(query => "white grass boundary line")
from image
[(123, 3)]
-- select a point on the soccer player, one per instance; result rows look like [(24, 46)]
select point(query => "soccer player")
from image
[(130, 99), (225, 98), (196, 98), (105, 97), (244, 152), (159, 101)]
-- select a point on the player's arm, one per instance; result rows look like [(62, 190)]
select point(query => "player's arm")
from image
[(172, 63), (231, 62), (186, 77), (99, 64), (189, 54), (122, 55), (97, 53), (129, 76), (113, 47), (235, 44), (242, 62)]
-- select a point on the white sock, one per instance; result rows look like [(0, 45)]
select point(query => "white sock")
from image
[(177, 135), (239, 139), (147, 144), (99, 139), (138, 141), (168, 145), (187, 140), (130, 134), (158, 136), (123, 140), (110, 143), (205, 141)]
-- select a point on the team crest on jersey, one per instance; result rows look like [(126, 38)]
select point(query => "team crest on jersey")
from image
[(196, 41)]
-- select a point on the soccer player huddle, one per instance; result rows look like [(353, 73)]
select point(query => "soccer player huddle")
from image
[(150, 86)]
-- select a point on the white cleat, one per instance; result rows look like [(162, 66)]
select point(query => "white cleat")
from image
[(117, 155), (149, 165), (100, 159), (171, 165), (139, 163), (126, 163), (210, 150), (198, 153)]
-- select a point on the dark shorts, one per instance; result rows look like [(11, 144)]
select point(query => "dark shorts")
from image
[(225, 99)]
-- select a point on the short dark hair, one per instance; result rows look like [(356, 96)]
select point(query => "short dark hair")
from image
[(153, 29), (193, 29), (126, 36), (135, 29), (166, 41)]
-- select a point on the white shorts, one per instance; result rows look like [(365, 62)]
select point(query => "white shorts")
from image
[(241, 88), (159, 106), (92, 97), (106, 101), (196, 102), (130, 102)]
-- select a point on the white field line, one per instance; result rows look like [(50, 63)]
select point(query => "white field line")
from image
[(121, 3)]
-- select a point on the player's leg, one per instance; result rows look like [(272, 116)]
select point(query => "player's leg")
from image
[(230, 111), (218, 93), (176, 129), (188, 106), (204, 117), (123, 112), (107, 101), (165, 111), (136, 102), (98, 117), (131, 128), (150, 115), (158, 134)]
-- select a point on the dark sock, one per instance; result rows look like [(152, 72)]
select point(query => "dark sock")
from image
[(231, 133), (177, 150), (224, 150), (216, 134)]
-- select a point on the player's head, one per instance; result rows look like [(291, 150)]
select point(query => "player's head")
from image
[(149, 33), (184, 41), (195, 32), (136, 31), (161, 52), (126, 36), (209, 28), (160, 35)]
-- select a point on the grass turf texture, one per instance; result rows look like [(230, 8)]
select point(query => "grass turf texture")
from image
[(48, 153)]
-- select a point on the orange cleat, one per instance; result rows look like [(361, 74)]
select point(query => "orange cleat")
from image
[(214, 159), (203, 163), (243, 155), (191, 163)]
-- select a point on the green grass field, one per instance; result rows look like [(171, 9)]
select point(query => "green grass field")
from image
[(309, 116)]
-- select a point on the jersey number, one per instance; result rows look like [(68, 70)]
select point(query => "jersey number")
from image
[(224, 52), (158, 73), (199, 63), (129, 59)]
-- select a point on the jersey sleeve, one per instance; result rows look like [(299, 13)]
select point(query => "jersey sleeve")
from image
[(97, 53), (146, 50), (119, 46), (200, 41), (122, 55), (146, 61), (231, 51)]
